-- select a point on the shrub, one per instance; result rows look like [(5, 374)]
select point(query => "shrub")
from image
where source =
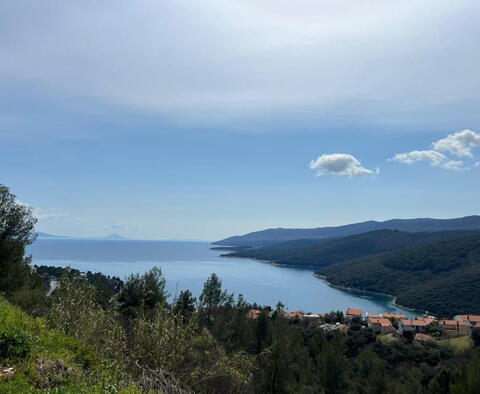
[(14, 346)]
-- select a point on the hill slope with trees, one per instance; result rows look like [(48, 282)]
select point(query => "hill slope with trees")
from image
[(442, 277), (333, 251), (274, 235)]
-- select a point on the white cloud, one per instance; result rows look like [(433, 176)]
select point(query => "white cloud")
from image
[(435, 158), (341, 164), (459, 143), (477, 164), (454, 165)]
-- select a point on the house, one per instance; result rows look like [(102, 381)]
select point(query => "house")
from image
[(253, 313), (417, 325), (294, 315), (469, 320), (397, 316), (423, 338), (380, 325), (454, 328), (313, 315), (353, 313), (370, 315)]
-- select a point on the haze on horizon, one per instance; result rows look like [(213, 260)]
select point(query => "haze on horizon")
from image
[(204, 120)]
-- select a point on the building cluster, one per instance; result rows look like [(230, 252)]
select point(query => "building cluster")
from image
[(384, 323), (391, 323)]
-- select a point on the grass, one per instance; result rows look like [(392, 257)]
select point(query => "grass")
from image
[(459, 344), (387, 339), (47, 361)]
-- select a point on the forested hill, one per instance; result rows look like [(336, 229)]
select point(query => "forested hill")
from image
[(261, 238), (442, 278), (320, 253)]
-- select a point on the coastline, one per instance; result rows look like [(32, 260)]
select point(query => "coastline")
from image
[(352, 289), (324, 279)]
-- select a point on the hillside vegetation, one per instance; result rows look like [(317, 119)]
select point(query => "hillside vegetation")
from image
[(328, 252), (43, 359), (442, 278)]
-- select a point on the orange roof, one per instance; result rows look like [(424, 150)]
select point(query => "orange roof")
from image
[(422, 337), (452, 323), (415, 323), (354, 312), (382, 322), (294, 314), (253, 313), (394, 316), (469, 318), (374, 315)]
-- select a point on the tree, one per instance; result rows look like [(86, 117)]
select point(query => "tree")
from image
[(212, 295), (16, 232), (16, 220), (185, 305), (143, 292)]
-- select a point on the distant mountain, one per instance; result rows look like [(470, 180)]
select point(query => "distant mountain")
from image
[(264, 237), (52, 236), (322, 253), (441, 278), (41, 235), (113, 237)]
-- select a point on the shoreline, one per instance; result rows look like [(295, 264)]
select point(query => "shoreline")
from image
[(324, 279), (354, 290)]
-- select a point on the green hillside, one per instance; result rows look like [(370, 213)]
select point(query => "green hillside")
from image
[(328, 252), (44, 360), (441, 278)]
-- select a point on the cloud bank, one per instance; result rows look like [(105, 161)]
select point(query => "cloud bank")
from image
[(233, 58), (342, 164)]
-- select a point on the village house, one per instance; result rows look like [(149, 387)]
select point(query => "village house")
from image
[(397, 316), (423, 338), (294, 315), (380, 325), (417, 325), (353, 313), (253, 313), (469, 320), (370, 315), (454, 328)]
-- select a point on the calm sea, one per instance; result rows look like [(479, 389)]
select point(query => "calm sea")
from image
[(186, 265)]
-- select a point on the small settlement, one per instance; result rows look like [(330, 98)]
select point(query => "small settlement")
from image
[(422, 328)]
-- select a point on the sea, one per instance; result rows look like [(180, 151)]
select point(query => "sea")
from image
[(187, 265)]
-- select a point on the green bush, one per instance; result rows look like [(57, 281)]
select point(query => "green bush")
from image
[(14, 346)]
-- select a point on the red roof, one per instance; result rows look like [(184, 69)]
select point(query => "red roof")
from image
[(415, 323), (382, 322), (354, 312), (394, 316), (422, 337), (452, 323)]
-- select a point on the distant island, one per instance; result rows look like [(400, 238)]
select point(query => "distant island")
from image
[(114, 237)]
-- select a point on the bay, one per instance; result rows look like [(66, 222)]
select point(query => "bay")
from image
[(187, 265)]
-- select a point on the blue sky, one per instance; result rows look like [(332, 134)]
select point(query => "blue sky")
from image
[(202, 120)]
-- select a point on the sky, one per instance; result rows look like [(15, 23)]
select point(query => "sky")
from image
[(200, 120)]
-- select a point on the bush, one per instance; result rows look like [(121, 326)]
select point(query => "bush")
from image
[(14, 346)]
